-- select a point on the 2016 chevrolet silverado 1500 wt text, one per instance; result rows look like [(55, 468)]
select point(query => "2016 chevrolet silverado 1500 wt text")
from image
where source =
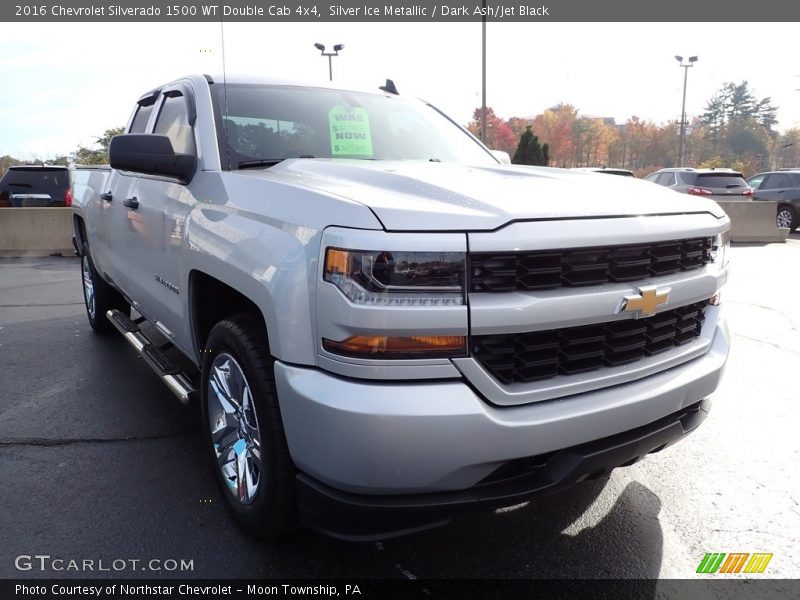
[(384, 325)]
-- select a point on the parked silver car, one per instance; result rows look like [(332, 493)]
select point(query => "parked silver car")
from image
[(717, 184)]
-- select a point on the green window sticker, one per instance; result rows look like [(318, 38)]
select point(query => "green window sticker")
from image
[(350, 133)]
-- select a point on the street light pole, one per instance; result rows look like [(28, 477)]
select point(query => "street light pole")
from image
[(330, 55), (483, 74), (692, 60)]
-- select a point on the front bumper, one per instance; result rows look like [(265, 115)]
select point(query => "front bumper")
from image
[(392, 438), (363, 517)]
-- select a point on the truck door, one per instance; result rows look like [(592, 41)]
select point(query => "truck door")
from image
[(156, 216), (109, 221)]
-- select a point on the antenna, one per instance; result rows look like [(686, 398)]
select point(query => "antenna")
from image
[(225, 94), (389, 87)]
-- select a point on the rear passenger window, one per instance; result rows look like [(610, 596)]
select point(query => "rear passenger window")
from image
[(777, 181), (173, 121), (139, 123), (667, 179)]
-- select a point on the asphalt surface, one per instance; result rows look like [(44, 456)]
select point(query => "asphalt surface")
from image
[(99, 461)]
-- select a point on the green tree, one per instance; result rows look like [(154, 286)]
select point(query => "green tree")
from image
[(530, 151), (739, 126), (96, 156), (6, 162)]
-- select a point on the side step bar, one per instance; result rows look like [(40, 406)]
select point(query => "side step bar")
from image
[(169, 373)]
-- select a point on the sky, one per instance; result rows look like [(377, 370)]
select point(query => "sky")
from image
[(64, 84)]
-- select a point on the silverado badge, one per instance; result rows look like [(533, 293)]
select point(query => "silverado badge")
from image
[(646, 301)]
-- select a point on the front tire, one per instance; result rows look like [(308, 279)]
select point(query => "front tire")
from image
[(98, 296), (786, 217), (243, 428)]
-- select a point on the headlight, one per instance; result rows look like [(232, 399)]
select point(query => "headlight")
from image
[(397, 278), (719, 248)]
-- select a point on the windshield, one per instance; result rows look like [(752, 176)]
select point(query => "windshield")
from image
[(265, 122)]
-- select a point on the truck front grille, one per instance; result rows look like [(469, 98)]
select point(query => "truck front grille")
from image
[(526, 357), (547, 269)]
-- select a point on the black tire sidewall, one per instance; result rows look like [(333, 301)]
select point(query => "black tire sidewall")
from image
[(268, 513), (99, 322)]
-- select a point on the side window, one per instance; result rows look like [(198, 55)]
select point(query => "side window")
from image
[(652, 177), (139, 123), (784, 182), (666, 179), (776, 181), (755, 182), (173, 121)]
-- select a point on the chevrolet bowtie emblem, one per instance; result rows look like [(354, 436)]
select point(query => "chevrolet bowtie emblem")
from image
[(646, 301)]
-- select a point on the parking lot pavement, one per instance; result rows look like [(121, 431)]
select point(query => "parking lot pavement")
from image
[(100, 462)]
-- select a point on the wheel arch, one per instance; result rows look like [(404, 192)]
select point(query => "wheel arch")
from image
[(210, 301), (79, 227)]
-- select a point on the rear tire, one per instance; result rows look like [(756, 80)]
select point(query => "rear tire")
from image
[(98, 296), (786, 217), (243, 428)]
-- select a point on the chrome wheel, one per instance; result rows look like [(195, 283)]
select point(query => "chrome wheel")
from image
[(234, 429), (88, 287), (784, 217)]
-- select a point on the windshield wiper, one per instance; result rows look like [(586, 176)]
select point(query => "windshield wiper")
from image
[(262, 162), (266, 162)]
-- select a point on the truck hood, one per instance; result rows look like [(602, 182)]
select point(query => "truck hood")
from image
[(429, 196)]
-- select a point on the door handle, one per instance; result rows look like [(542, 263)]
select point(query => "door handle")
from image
[(131, 203), (106, 196)]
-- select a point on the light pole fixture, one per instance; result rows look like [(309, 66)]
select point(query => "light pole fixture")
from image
[(483, 73), (692, 60), (330, 55)]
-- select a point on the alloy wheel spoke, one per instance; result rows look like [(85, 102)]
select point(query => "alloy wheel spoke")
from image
[(248, 410), (224, 436), (252, 474), (220, 385), (88, 287)]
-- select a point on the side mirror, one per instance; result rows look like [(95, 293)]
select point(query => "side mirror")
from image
[(502, 156), (151, 154)]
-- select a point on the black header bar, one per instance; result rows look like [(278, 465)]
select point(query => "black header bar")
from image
[(366, 11)]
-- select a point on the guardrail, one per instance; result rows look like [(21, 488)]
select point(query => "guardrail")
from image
[(753, 221), (48, 231), (36, 231)]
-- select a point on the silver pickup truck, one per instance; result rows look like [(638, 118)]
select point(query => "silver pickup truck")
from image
[(383, 325)]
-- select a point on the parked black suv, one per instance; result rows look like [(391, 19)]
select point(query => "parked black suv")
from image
[(27, 185), (717, 184), (784, 188)]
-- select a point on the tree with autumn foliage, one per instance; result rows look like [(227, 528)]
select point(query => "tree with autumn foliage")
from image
[(499, 135), (555, 127)]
